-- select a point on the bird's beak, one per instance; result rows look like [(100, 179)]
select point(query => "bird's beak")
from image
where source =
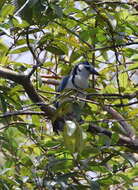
[(93, 71)]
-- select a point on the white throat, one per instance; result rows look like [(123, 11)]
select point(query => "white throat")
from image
[(84, 74), (81, 81)]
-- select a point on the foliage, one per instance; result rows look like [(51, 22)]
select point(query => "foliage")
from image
[(100, 153)]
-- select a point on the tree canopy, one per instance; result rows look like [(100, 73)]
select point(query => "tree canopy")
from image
[(41, 41)]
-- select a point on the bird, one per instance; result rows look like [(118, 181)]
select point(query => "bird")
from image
[(78, 79)]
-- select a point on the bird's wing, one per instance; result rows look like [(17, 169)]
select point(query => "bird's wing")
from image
[(60, 88), (63, 84)]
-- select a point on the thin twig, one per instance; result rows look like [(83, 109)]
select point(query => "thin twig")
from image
[(123, 105), (39, 63), (14, 123), (21, 112), (90, 95), (115, 46), (114, 2)]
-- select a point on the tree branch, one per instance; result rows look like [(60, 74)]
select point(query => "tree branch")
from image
[(14, 123), (117, 95), (38, 62), (114, 2), (123, 141), (28, 87), (127, 129), (12, 75), (21, 112)]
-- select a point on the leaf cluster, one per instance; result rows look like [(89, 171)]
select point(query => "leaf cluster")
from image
[(41, 41)]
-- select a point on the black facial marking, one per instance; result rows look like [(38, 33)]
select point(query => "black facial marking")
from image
[(86, 63), (75, 70)]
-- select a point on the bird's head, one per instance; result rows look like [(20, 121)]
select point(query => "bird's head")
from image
[(84, 69)]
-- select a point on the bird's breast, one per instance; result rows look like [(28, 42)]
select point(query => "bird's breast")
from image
[(81, 82)]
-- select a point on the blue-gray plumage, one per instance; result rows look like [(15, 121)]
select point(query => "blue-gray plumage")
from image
[(78, 78), (63, 83)]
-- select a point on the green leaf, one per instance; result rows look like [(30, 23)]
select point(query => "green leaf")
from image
[(48, 36), (105, 55), (130, 52), (26, 160), (2, 3), (73, 137), (58, 10), (123, 80), (74, 56), (3, 49), (7, 10), (71, 41), (110, 89), (62, 47), (134, 57), (36, 120), (49, 64), (115, 138), (95, 185), (85, 35), (104, 141), (133, 112), (18, 22), (3, 103), (93, 107), (19, 50), (25, 171), (23, 41), (55, 50), (132, 67), (31, 12)]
